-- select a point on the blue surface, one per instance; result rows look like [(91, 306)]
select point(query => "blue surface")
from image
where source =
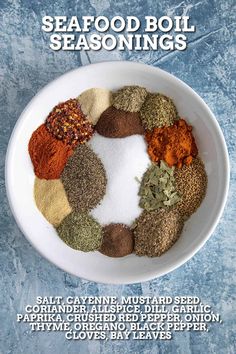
[(208, 66)]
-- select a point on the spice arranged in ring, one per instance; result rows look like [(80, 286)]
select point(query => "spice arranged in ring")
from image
[(68, 123), (157, 188), (158, 111), (88, 190), (175, 144)]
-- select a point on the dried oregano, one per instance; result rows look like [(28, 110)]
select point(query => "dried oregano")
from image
[(129, 98), (157, 188), (81, 232), (157, 111)]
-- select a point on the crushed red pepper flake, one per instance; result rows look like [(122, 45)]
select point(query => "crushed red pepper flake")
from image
[(68, 123)]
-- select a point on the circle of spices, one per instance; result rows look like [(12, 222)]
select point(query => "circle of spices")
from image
[(84, 179), (158, 111), (81, 232), (191, 184), (66, 205), (68, 123), (156, 231)]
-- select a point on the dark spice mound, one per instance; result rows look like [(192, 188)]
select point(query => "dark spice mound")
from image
[(156, 231), (117, 240), (84, 179), (68, 123), (115, 123)]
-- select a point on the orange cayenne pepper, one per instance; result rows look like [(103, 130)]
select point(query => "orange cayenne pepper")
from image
[(174, 144)]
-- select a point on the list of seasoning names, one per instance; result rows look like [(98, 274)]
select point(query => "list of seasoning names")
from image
[(113, 318)]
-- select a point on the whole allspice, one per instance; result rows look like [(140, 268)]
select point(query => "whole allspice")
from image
[(156, 231)]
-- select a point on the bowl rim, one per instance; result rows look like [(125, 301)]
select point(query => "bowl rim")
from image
[(154, 273)]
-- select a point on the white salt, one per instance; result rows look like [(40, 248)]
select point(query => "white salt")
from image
[(123, 159)]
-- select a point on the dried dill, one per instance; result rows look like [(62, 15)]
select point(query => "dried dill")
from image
[(157, 188)]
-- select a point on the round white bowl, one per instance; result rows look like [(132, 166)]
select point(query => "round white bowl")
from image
[(95, 266)]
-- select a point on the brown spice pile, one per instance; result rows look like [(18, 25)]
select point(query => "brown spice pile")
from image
[(156, 231), (175, 144), (191, 184), (48, 154), (84, 179), (115, 123), (118, 240), (68, 123)]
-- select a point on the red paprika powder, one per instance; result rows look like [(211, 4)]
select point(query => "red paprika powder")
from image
[(48, 154)]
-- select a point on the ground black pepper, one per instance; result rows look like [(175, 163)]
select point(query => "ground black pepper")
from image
[(84, 179)]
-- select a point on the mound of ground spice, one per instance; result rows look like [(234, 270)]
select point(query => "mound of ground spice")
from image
[(115, 123), (174, 144), (158, 111), (95, 101), (129, 98), (191, 184), (81, 232), (84, 179), (48, 154), (51, 200), (68, 123), (118, 240), (156, 231)]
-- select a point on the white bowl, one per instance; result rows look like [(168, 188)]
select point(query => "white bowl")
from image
[(95, 266)]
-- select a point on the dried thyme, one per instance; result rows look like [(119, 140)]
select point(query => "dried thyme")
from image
[(81, 232), (129, 98), (157, 111), (157, 189)]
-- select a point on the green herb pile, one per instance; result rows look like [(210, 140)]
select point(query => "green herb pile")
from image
[(129, 98), (81, 232), (158, 111)]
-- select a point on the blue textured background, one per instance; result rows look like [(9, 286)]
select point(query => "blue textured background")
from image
[(208, 66)]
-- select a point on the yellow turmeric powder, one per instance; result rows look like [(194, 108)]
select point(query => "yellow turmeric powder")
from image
[(174, 144)]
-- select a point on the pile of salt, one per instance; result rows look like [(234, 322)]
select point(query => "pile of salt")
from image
[(124, 159)]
